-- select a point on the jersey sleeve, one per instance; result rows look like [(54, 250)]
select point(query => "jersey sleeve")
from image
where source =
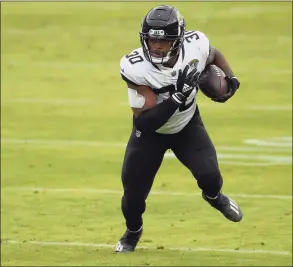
[(203, 44), (132, 73)]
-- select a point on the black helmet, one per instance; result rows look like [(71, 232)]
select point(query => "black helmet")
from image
[(162, 22)]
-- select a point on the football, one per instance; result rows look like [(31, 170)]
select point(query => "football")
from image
[(212, 82)]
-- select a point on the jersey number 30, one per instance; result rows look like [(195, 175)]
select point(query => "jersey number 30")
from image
[(134, 58)]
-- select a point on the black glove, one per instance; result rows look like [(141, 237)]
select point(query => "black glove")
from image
[(233, 85), (185, 85)]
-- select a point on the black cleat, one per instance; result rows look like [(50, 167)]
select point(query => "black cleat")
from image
[(226, 206), (128, 241)]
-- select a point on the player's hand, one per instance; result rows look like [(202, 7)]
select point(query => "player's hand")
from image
[(233, 84), (185, 84)]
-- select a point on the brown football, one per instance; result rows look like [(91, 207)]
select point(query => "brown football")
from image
[(212, 82)]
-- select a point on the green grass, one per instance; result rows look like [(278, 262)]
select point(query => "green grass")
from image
[(62, 91)]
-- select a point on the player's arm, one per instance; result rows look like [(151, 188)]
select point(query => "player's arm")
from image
[(217, 58), (140, 98), (149, 116)]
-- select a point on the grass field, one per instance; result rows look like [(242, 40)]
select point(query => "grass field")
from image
[(65, 122)]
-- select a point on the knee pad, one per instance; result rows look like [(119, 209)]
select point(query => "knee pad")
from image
[(210, 183)]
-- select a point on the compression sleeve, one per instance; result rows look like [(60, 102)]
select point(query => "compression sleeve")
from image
[(152, 119)]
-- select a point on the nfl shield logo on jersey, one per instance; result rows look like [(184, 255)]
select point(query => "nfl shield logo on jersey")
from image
[(138, 133)]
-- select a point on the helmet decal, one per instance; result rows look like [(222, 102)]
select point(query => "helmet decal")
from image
[(156, 33)]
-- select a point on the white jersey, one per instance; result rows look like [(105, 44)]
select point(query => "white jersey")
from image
[(135, 69)]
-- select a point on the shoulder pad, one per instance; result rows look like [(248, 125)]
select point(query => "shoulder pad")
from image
[(132, 68), (199, 40)]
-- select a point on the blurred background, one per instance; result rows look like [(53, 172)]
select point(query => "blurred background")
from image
[(65, 121)]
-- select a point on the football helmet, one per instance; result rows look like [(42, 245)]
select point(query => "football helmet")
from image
[(165, 23)]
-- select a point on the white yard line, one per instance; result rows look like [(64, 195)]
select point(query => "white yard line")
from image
[(255, 148), (53, 101), (251, 163), (61, 142), (236, 159), (97, 245), (281, 159), (118, 192), (53, 142), (270, 142), (88, 101)]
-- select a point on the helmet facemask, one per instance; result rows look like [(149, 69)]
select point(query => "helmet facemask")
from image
[(164, 57)]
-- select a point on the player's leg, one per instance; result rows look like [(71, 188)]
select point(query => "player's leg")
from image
[(143, 157), (194, 148)]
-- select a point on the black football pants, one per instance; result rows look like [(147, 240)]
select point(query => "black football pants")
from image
[(144, 155)]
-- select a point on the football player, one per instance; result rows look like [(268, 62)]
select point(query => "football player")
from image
[(161, 77)]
